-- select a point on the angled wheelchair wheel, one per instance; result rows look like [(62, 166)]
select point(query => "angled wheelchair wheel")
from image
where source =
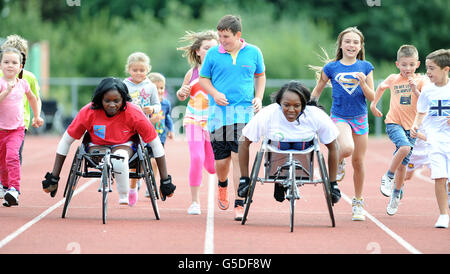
[(72, 180), (151, 172), (292, 200), (326, 186), (106, 177), (149, 179), (253, 180)]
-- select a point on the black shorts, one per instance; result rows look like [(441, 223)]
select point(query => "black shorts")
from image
[(225, 140)]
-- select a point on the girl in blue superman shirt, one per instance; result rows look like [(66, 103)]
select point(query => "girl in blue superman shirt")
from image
[(352, 82)]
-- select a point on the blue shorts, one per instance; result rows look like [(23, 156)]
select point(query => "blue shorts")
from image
[(400, 137)]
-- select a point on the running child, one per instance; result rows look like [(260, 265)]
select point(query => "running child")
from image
[(195, 119), (12, 125), (434, 101), (143, 94), (352, 81), (405, 88)]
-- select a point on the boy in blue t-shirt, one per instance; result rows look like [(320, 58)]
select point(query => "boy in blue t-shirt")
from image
[(233, 74)]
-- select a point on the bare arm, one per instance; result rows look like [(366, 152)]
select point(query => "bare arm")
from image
[(185, 89), (219, 97), (260, 85), (317, 91)]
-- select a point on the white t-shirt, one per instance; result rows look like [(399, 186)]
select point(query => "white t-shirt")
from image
[(270, 122), (435, 101)]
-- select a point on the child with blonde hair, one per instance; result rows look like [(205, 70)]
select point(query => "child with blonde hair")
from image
[(405, 88), (194, 122), (143, 94), (12, 126), (352, 81)]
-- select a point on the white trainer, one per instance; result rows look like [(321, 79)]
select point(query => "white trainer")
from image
[(392, 207), (194, 209), (442, 221), (387, 185), (341, 171), (11, 197), (358, 213)]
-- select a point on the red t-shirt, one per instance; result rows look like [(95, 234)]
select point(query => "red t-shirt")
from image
[(114, 130)]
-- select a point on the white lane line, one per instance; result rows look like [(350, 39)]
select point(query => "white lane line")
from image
[(391, 233), (209, 233), (26, 226)]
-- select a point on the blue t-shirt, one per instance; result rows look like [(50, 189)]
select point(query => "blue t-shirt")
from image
[(233, 77), (348, 98)]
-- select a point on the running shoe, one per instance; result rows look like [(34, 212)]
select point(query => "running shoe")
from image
[(132, 197), (11, 197), (442, 221), (358, 213), (341, 171), (387, 184), (194, 209), (222, 199), (238, 213), (392, 207)]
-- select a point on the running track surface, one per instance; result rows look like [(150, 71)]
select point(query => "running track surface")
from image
[(36, 226)]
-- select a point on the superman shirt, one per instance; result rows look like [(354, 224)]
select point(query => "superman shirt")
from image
[(114, 130), (348, 98)]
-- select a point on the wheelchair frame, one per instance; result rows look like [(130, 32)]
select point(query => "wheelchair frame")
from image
[(292, 181), (98, 165)]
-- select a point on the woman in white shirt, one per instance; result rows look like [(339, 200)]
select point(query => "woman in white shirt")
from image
[(291, 119)]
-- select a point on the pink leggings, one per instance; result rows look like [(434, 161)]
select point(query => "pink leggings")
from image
[(201, 153), (10, 142)]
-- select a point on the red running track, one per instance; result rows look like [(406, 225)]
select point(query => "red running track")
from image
[(36, 226)]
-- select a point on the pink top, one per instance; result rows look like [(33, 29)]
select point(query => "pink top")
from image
[(11, 108)]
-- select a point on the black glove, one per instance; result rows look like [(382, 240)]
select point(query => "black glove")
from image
[(50, 184), (166, 188), (244, 183)]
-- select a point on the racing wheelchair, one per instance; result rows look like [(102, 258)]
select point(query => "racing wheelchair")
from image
[(292, 169), (98, 164)]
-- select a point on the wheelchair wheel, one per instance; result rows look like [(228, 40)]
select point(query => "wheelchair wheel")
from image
[(293, 199), (253, 180), (326, 186), (151, 172), (106, 176), (149, 179), (72, 180)]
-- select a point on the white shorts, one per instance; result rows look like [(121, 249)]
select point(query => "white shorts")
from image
[(440, 160), (417, 161)]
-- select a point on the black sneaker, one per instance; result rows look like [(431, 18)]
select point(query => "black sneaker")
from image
[(166, 188), (279, 192), (335, 193)]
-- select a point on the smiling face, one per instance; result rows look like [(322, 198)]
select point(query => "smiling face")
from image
[(407, 66), (112, 101), (291, 105), (350, 45), (436, 74), (10, 65)]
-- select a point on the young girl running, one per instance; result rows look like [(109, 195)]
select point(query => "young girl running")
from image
[(12, 126), (143, 94), (194, 121), (352, 81)]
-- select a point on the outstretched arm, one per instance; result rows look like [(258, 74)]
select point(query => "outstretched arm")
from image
[(317, 91)]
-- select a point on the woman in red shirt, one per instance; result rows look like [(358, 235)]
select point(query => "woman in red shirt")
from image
[(111, 120)]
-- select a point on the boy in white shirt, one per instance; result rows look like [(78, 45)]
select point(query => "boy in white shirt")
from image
[(434, 101)]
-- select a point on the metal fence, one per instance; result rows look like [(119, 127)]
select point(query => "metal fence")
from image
[(172, 84)]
